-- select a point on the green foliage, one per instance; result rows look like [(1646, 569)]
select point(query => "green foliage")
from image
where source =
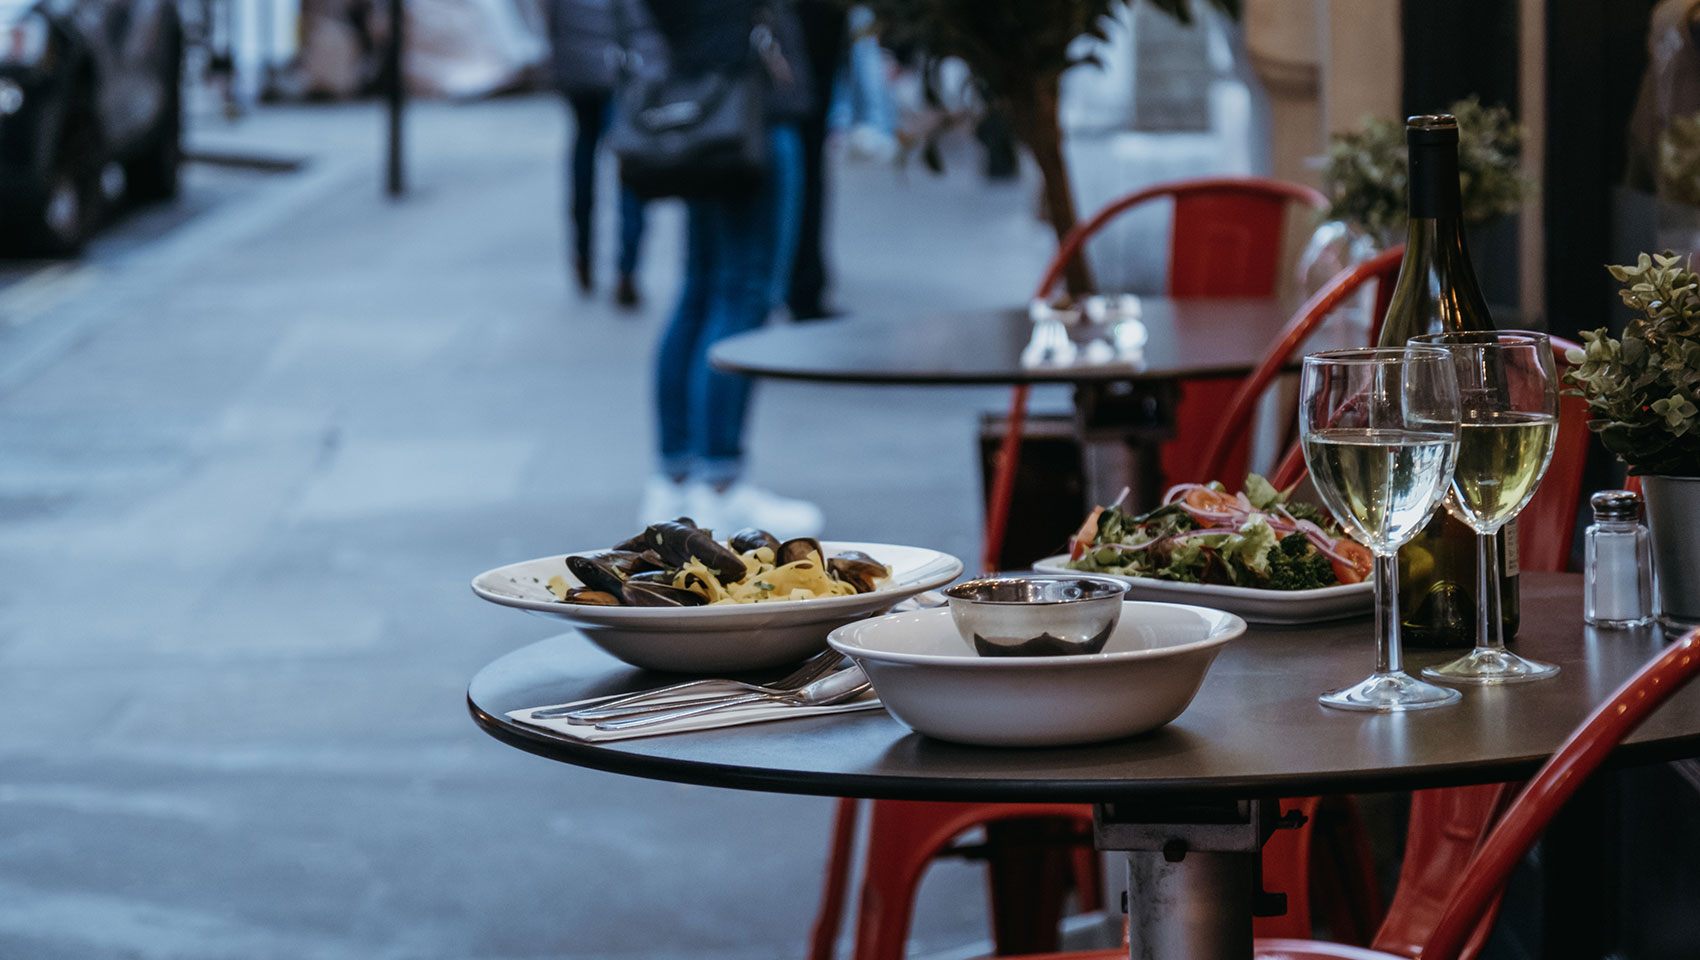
[(1644, 389), (1010, 46), (1366, 175)]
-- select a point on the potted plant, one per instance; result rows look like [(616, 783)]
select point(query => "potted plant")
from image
[(1365, 179), (1365, 176), (1643, 390)]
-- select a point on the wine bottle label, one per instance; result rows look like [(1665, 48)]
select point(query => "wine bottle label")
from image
[(1510, 559)]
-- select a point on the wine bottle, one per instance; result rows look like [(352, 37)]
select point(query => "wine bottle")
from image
[(1437, 292)]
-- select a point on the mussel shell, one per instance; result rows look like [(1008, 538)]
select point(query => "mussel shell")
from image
[(857, 569), (651, 576), (716, 556), (641, 593), (640, 541), (670, 540), (793, 550), (751, 538), (597, 598), (603, 570)]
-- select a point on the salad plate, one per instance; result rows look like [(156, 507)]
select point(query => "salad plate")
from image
[(1256, 604), (721, 637), (1251, 553)]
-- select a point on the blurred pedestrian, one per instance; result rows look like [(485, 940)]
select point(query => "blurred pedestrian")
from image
[(581, 36), (824, 31), (864, 105), (740, 242)]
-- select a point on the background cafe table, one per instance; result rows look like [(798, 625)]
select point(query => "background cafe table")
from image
[(1187, 338), (1254, 732)]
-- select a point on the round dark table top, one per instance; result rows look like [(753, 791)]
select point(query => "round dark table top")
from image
[(1189, 337), (1254, 730)]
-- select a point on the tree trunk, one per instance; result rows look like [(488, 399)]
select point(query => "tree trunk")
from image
[(1034, 114)]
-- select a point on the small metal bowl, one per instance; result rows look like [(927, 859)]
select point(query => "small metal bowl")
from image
[(1042, 616)]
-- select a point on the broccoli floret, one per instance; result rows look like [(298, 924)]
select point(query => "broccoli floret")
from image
[(1306, 511), (1297, 565)]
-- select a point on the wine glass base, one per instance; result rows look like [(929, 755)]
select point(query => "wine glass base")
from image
[(1489, 665), (1389, 693)]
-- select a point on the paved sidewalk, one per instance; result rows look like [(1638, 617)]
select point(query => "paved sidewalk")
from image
[(247, 471)]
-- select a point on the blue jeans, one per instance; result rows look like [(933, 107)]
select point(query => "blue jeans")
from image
[(591, 115), (738, 253)]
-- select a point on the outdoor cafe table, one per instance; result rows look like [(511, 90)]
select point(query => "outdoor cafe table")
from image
[(1128, 401), (1253, 733)]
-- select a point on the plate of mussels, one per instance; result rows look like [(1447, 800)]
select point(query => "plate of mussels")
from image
[(676, 598)]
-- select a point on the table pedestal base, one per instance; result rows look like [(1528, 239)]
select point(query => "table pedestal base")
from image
[(1197, 908), (1192, 875)]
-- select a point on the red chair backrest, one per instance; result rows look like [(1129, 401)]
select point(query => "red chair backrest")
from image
[(1235, 424), (1224, 241), (1547, 524), (1225, 238), (1556, 782)]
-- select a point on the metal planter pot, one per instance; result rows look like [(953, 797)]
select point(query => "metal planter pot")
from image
[(1673, 518)]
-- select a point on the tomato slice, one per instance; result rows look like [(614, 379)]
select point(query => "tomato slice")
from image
[(1204, 498), (1083, 537), (1363, 562)]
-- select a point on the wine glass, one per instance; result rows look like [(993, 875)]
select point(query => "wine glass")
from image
[(1508, 421), (1380, 433)]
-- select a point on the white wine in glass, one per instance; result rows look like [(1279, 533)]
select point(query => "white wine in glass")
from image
[(1508, 423), (1379, 429)]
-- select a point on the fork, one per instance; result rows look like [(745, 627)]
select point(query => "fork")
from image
[(846, 684), (810, 670)]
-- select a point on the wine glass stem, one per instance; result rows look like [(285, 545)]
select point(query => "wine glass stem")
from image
[(1490, 631), (1388, 657)]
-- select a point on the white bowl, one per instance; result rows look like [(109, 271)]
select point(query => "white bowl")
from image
[(936, 684), (724, 637)]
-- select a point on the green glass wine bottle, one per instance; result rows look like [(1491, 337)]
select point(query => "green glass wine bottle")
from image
[(1437, 292)]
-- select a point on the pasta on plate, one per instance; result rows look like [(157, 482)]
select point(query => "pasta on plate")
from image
[(803, 579), (677, 564)]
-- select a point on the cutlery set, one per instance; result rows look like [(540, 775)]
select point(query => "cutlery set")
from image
[(817, 682)]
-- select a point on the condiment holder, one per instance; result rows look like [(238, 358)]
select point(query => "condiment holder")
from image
[(1042, 616)]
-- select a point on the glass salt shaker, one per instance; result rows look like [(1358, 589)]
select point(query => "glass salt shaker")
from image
[(1617, 588)]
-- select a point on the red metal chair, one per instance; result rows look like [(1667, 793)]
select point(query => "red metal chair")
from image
[(1234, 427), (904, 837), (1457, 928), (1225, 242)]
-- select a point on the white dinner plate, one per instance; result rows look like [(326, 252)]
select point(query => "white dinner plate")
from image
[(723, 637), (1258, 606)]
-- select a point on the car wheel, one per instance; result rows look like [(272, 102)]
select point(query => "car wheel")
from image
[(152, 173), (69, 204)]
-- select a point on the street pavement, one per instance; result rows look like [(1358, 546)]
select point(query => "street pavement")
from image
[(251, 452)]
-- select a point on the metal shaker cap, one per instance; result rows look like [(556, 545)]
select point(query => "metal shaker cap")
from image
[(1616, 505)]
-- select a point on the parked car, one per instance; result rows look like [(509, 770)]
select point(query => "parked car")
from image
[(87, 87)]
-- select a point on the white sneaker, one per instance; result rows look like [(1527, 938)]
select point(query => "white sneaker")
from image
[(743, 505), (663, 499)]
